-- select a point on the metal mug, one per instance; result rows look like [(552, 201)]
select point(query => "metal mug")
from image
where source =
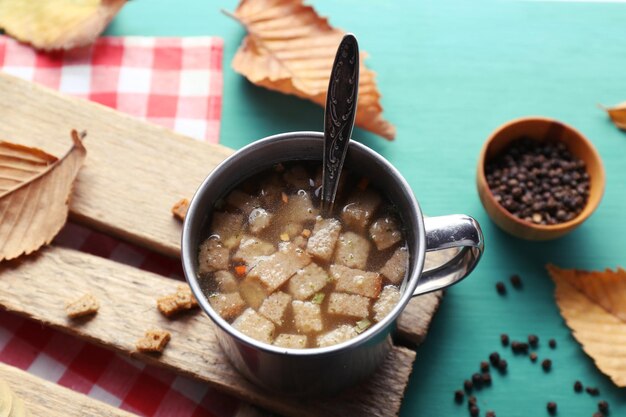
[(327, 370)]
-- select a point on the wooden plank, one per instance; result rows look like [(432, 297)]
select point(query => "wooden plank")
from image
[(38, 286), (44, 398), (134, 172)]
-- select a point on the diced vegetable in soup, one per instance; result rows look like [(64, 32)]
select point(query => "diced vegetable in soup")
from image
[(279, 272)]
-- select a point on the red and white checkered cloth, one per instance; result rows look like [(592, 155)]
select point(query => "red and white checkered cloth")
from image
[(172, 82)]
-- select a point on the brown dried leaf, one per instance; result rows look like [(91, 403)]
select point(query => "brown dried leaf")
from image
[(617, 114), (290, 49), (593, 305), (57, 24), (34, 195)]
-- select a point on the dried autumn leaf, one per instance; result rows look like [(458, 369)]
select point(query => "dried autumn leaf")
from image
[(34, 195), (617, 114), (593, 305), (291, 49), (57, 24)]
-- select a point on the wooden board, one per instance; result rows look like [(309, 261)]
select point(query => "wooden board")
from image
[(134, 173), (44, 398), (39, 285)]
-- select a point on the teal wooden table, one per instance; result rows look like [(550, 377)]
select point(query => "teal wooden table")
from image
[(450, 72)]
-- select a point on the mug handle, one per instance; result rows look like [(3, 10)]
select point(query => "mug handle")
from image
[(445, 232)]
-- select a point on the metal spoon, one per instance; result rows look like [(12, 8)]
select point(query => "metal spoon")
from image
[(341, 100)]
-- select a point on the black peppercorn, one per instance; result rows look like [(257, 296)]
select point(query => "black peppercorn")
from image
[(551, 406), (502, 365), (494, 358), (504, 339), (500, 288), (477, 379), (552, 343), (467, 384), (458, 396), (546, 365), (486, 378), (484, 366), (592, 391), (603, 406), (533, 340), (490, 414), (516, 281), (533, 357), (578, 386), (474, 411)]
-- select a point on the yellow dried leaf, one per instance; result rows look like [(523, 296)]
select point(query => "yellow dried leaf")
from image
[(57, 24), (34, 195), (291, 49), (593, 305), (617, 115)]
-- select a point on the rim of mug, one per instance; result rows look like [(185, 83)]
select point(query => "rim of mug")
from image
[(408, 286)]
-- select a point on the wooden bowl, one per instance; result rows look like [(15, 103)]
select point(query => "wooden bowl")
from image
[(539, 129)]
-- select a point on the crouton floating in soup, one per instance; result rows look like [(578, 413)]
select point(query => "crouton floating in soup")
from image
[(280, 273)]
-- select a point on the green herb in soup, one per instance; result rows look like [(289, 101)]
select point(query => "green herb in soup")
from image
[(284, 275)]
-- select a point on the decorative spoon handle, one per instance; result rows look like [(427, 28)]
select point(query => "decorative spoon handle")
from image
[(341, 100)]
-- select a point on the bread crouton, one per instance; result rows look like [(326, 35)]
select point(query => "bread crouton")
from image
[(385, 233), (350, 305), (274, 270), (360, 209), (227, 305), (294, 341), (307, 316), (227, 227), (154, 341), (395, 267), (275, 306), (338, 335), (255, 325), (387, 300), (356, 281), (352, 250), (86, 305), (307, 281), (181, 300), (321, 244), (213, 256)]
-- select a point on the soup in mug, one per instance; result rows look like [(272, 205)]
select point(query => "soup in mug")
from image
[(282, 274)]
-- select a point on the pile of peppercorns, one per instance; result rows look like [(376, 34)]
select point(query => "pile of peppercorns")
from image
[(483, 378), (539, 182)]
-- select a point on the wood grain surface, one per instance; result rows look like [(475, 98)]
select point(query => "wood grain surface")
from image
[(134, 173), (38, 286), (44, 398)]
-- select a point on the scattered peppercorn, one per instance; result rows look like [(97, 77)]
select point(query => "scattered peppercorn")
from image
[(471, 400), (494, 358), (551, 406), (533, 357), (477, 379), (516, 281), (539, 182), (490, 414), (458, 396), (486, 378), (597, 414), (502, 365), (500, 288), (484, 366), (592, 391), (533, 340), (603, 406), (474, 411), (504, 339), (552, 343), (578, 386), (546, 365), (467, 384), (519, 347)]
